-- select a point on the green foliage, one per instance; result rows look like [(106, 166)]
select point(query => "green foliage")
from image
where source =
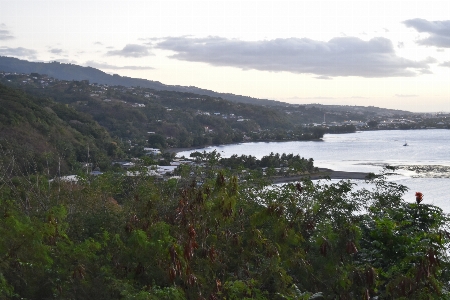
[(40, 135), (157, 141), (115, 237), (182, 119)]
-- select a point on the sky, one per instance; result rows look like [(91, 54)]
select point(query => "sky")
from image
[(391, 54)]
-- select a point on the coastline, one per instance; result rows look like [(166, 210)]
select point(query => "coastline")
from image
[(177, 150), (322, 174)]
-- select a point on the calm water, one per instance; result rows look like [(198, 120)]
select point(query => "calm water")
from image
[(368, 151)]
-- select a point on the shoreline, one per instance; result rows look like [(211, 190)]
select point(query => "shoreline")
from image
[(322, 174), (177, 150)]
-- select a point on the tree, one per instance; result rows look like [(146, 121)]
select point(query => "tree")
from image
[(372, 124), (115, 237), (157, 141)]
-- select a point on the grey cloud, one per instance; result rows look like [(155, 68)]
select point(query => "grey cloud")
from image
[(341, 56), (445, 64), (112, 67), (400, 45), (405, 96), (98, 43), (425, 71), (439, 32), (56, 51), (5, 35), (19, 51), (131, 50)]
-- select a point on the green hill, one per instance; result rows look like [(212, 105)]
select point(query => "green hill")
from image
[(131, 114), (74, 72), (40, 134)]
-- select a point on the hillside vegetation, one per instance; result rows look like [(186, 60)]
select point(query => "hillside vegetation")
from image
[(116, 237), (182, 119), (49, 135), (71, 72)]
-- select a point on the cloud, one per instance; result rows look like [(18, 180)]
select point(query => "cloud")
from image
[(425, 71), (439, 32), (341, 56), (5, 34), (400, 45), (131, 50), (56, 51), (19, 51), (323, 77), (404, 96), (107, 66), (98, 43), (445, 64)]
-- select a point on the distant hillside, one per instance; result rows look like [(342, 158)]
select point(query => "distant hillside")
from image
[(362, 109), (74, 72), (184, 119), (39, 134)]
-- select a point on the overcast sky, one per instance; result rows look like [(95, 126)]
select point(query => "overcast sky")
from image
[(393, 54)]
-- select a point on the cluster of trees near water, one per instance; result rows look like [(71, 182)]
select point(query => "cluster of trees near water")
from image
[(117, 237), (289, 163)]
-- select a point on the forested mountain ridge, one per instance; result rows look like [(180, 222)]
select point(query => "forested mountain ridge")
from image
[(74, 72), (71, 72), (180, 119), (41, 133)]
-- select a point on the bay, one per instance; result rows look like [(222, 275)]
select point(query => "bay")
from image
[(425, 162)]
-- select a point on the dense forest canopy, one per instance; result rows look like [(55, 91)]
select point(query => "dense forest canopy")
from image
[(118, 237), (39, 130)]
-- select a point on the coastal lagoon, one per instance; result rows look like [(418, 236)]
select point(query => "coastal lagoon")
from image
[(424, 163)]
